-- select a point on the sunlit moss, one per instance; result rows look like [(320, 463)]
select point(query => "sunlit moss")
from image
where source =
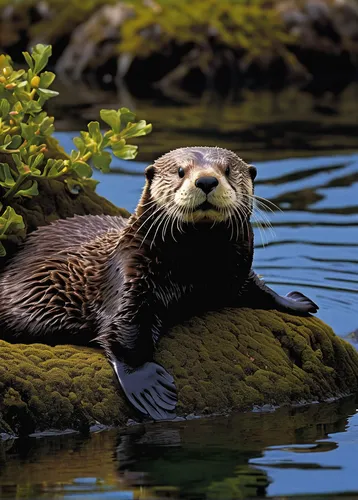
[(254, 26)]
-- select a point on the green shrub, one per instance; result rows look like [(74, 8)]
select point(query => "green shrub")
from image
[(29, 153)]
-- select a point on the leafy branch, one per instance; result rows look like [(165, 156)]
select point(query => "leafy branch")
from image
[(29, 153)]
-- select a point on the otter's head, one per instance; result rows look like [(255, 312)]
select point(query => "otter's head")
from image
[(201, 184)]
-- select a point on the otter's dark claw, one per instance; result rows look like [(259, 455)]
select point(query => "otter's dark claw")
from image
[(149, 388)]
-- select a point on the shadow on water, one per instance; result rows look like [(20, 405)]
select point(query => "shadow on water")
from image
[(245, 455)]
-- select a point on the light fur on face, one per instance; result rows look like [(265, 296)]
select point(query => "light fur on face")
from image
[(188, 197), (182, 199)]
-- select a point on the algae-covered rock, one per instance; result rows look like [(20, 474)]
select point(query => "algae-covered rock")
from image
[(224, 361)]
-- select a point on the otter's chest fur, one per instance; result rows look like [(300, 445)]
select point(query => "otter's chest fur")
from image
[(202, 270)]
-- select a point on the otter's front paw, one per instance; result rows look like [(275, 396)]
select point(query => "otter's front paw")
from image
[(149, 388), (302, 303)]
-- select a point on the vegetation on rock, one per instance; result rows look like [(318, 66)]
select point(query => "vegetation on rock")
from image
[(253, 26), (260, 357), (30, 155), (269, 37)]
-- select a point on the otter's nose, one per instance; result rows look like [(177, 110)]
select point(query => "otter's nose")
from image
[(206, 184)]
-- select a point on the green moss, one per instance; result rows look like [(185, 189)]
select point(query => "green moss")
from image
[(229, 360)]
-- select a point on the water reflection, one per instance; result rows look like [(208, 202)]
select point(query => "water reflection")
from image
[(216, 458), (260, 124), (245, 455), (310, 469)]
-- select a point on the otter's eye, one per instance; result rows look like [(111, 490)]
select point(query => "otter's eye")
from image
[(227, 171), (181, 172)]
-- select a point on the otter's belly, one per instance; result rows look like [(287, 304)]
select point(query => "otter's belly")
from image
[(200, 285)]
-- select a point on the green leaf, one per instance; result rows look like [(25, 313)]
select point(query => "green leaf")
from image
[(112, 118), (80, 145), (22, 96), (4, 108), (95, 132), (127, 152), (85, 136), (18, 107), (16, 142), (136, 129), (35, 161), (46, 78), (102, 161), (6, 179), (53, 168), (29, 192), (24, 170), (32, 108), (17, 160), (16, 75), (126, 116), (40, 55), (2, 250), (10, 221), (47, 93), (117, 144), (28, 131), (46, 126), (7, 140), (82, 169), (29, 60)]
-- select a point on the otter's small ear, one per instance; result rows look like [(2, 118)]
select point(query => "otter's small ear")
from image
[(149, 172), (252, 172)]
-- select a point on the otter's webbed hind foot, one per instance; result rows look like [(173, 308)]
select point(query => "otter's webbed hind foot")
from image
[(296, 302), (149, 388)]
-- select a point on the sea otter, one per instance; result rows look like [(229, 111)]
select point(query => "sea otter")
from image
[(188, 248)]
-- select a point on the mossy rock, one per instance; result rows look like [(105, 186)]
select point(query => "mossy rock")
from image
[(229, 360)]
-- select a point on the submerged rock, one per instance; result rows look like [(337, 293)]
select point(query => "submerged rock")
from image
[(224, 361)]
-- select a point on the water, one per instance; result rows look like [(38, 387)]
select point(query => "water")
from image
[(303, 451)]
